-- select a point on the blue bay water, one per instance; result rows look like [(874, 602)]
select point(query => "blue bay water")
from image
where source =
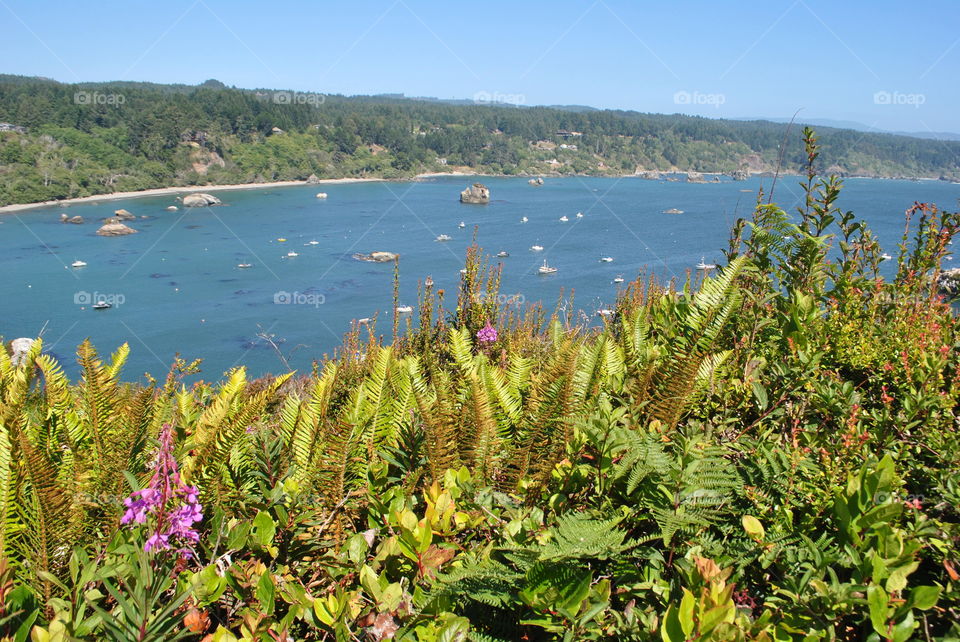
[(181, 291)]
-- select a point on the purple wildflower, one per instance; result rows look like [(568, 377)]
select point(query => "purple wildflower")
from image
[(487, 334), (172, 504)]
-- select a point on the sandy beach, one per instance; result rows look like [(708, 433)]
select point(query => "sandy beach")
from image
[(169, 191)]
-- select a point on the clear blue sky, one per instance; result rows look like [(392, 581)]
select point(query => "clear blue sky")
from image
[(723, 59)]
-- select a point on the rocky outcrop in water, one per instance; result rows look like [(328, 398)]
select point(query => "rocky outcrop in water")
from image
[(377, 257), (536, 181), (76, 220), (948, 283), (124, 215), (115, 229), (739, 175), (476, 194), (695, 177), (650, 175), (200, 200), (19, 349)]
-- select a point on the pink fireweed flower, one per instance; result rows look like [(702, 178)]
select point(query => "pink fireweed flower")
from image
[(487, 334), (170, 505)]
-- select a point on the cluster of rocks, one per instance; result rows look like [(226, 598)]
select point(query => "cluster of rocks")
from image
[(948, 283), (76, 220), (377, 257), (650, 175), (476, 194), (536, 182), (739, 175)]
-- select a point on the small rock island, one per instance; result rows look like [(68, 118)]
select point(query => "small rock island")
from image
[(476, 194)]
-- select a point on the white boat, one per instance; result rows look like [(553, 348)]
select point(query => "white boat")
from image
[(312, 243), (292, 254), (618, 279), (101, 305), (462, 225), (604, 312), (524, 219), (606, 259), (673, 210), (705, 266), (404, 309), (564, 219), (78, 264), (885, 257), (444, 237), (546, 269), (322, 195), (536, 248), (244, 265), (428, 282), (502, 255), (579, 214)]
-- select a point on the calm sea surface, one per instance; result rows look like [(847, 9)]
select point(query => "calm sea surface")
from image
[(177, 288)]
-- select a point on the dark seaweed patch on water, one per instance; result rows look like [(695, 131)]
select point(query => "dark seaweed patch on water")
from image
[(158, 275), (252, 344), (171, 283), (227, 280), (193, 227), (242, 292)]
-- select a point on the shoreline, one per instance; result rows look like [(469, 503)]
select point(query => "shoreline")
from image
[(170, 191)]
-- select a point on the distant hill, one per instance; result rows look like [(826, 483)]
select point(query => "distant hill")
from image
[(861, 127), (93, 138)]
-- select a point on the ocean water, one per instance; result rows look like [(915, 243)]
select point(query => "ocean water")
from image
[(176, 287)]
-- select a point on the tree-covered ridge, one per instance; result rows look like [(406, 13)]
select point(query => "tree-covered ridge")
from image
[(87, 139), (767, 454)]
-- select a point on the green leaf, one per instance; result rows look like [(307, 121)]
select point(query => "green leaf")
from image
[(753, 527), (924, 597), (370, 583), (903, 630), (266, 593), (390, 599), (878, 599), (672, 630), (263, 529), (686, 613)]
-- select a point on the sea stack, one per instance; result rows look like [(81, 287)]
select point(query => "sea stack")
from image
[(476, 194)]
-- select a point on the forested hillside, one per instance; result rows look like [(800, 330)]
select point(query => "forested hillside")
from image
[(67, 140)]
